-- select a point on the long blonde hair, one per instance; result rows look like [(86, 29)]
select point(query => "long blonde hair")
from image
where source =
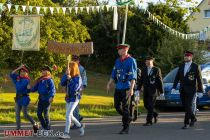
[(74, 69)]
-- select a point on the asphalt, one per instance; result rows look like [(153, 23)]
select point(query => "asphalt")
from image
[(167, 128)]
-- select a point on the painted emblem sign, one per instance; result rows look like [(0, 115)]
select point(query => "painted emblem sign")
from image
[(26, 33)]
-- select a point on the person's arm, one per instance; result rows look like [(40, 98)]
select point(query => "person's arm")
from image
[(132, 76), (111, 81), (35, 87), (199, 80), (14, 71), (52, 90), (64, 80), (84, 78), (160, 81), (176, 80), (140, 81)]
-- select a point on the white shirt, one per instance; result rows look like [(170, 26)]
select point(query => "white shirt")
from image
[(149, 70), (187, 67)]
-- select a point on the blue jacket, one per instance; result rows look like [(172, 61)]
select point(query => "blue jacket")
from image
[(45, 88), (123, 72), (21, 88), (83, 75), (74, 87)]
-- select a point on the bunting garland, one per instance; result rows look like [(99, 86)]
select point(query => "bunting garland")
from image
[(101, 8)]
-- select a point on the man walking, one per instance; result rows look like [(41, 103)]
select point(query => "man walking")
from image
[(124, 75), (189, 76), (151, 80)]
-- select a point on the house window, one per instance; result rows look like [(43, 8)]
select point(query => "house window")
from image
[(207, 13)]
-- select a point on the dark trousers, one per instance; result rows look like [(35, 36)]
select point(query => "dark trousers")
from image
[(187, 101), (44, 108), (133, 106), (149, 104), (122, 106)]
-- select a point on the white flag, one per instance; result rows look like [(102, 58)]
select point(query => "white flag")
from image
[(51, 10), (38, 10), (81, 9), (107, 8), (24, 8), (88, 9), (92, 8), (64, 10), (16, 7), (1, 6), (9, 6), (76, 9), (31, 8), (70, 9), (98, 8), (45, 9)]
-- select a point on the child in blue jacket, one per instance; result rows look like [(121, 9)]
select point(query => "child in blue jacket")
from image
[(22, 100), (46, 89), (73, 83)]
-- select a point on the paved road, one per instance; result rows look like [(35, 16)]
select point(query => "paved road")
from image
[(168, 128)]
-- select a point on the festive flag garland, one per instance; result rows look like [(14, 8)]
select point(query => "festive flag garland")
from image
[(102, 8)]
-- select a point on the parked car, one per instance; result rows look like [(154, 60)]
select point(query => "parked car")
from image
[(173, 99)]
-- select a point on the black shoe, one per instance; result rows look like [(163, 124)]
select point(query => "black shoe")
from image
[(186, 126), (35, 127), (135, 115), (80, 119), (124, 131), (147, 124), (155, 117)]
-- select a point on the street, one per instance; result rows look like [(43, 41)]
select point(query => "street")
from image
[(168, 127)]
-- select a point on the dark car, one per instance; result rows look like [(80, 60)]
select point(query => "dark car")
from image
[(173, 99)]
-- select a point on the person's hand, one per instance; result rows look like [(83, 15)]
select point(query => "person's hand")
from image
[(161, 94), (68, 74), (21, 66), (108, 88), (173, 90), (51, 99), (28, 86), (137, 92), (209, 92), (130, 92), (199, 94)]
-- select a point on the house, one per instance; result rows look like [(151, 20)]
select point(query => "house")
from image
[(201, 21)]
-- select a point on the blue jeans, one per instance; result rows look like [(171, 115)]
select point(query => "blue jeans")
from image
[(44, 107), (76, 112), (18, 109)]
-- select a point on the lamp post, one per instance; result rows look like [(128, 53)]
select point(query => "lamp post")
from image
[(126, 3)]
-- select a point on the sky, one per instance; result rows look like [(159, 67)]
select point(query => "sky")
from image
[(112, 2)]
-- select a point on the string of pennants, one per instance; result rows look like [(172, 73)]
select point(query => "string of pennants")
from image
[(174, 32), (64, 10), (100, 8)]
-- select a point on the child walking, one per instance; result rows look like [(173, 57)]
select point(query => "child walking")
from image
[(22, 100), (73, 83)]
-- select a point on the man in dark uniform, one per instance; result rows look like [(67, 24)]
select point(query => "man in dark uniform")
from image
[(189, 76), (124, 76), (151, 80)]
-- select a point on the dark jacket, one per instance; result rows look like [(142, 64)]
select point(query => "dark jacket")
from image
[(192, 81), (152, 83)]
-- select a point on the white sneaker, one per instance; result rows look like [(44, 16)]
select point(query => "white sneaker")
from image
[(82, 130), (65, 136)]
